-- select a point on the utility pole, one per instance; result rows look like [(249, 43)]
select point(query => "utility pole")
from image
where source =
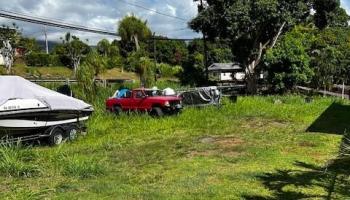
[(205, 47), (46, 42), (155, 57)]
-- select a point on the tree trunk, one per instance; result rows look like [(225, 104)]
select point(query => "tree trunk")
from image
[(251, 68), (252, 87), (142, 81), (136, 39), (343, 91), (9, 68), (7, 54), (76, 63)]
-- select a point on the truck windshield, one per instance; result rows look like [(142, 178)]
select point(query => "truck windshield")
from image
[(153, 93)]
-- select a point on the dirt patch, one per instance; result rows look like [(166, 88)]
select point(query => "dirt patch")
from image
[(224, 142), (307, 144), (228, 142), (219, 146), (209, 153), (262, 124)]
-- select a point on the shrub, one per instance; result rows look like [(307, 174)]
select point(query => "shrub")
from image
[(114, 62), (167, 70), (42, 59)]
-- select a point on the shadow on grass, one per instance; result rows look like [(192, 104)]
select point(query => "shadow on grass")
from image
[(308, 181), (298, 184), (334, 120)]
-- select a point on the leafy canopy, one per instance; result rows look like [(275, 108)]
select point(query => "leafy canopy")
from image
[(132, 30), (288, 63), (247, 23)]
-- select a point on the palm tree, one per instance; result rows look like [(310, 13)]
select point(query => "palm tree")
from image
[(133, 29)]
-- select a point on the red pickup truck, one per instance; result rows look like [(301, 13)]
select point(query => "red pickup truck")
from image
[(145, 100)]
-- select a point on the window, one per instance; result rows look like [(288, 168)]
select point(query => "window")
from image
[(152, 93), (127, 94), (139, 94)]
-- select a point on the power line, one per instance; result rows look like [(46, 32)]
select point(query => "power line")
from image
[(174, 39), (64, 25), (53, 23), (154, 11), (180, 29)]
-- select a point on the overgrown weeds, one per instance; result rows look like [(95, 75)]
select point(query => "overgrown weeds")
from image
[(18, 162), (82, 168)]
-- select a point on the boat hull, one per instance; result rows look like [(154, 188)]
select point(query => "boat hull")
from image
[(37, 122)]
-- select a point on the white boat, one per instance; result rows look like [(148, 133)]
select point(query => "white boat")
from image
[(28, 109)]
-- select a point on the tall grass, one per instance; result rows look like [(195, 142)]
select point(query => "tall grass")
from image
[(82, 168), (18, 162)]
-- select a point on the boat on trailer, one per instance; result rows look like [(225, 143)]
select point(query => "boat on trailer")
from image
[(29, 111)]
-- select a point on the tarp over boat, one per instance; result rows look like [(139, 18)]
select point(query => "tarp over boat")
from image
[(15, 87), (203, 96)]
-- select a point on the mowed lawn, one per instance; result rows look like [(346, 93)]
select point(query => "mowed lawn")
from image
[(258, 148)]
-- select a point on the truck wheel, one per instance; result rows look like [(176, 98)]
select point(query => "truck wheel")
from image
[(56, 137), (72, 132), (157, 112), (118, 110)]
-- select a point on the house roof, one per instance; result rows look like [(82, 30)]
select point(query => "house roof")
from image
[(225, 67)]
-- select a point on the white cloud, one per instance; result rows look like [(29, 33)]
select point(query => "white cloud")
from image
[(346, 5), (103, 14), (172, 10)]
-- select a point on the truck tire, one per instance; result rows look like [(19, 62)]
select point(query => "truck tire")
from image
[(56, 137), (117, 110), (157, 112), (72, 132)]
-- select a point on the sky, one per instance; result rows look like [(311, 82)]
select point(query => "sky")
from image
[(106, 14), (346, 4)]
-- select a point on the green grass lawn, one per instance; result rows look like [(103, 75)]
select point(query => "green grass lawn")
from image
[(253, 149)]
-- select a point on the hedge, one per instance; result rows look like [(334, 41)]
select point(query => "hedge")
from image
[(42, 59)]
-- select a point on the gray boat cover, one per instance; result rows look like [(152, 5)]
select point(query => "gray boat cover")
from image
[(15, 87), (203, 96)]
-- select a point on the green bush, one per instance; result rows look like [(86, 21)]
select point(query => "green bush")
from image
[(115, 62), (167, 70), (42, 59)]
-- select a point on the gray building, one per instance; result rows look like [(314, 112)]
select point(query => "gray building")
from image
[(226, 72)]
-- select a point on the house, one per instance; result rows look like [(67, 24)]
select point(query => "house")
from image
[(226, 72)]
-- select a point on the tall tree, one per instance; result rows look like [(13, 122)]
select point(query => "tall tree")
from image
[(252, 26), (9, 37), (330, 57), (91, 68), (329, 13), (143, 66), (168, 51), (75, 49), (103, 47), (288, 64), (132, 30)]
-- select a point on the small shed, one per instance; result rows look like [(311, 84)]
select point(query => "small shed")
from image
[(226, 72)]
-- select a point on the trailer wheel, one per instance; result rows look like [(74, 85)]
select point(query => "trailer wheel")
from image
[(72, 132), (56, 137)]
